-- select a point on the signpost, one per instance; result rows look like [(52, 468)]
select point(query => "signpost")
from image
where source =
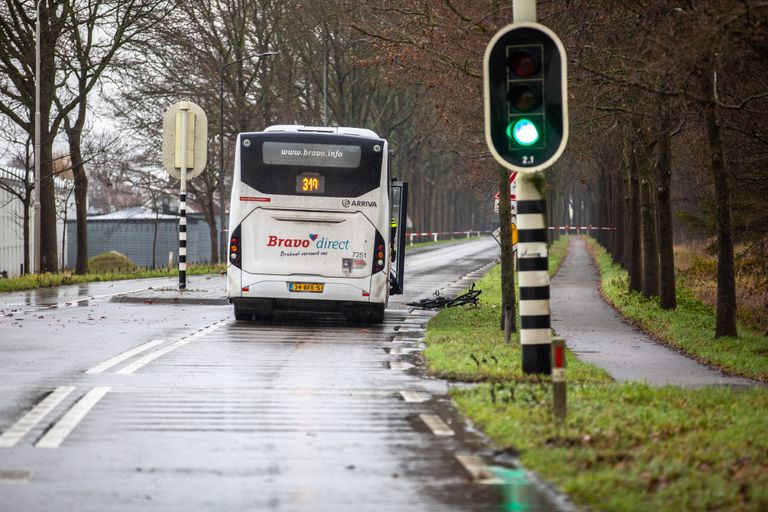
[(185, 152), (513, 208), (512, 195), (526, 129)]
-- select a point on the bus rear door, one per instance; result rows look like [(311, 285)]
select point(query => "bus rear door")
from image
[(399, 206)]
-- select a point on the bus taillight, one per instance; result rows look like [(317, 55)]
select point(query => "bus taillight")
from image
[(379, 253), (235, 255)]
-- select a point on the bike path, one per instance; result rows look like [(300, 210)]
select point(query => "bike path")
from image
[(596, 333)]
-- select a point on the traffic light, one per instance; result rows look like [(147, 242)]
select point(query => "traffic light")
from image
[(526, 106)]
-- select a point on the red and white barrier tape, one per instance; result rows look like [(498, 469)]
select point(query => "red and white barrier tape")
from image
[(569, 228)]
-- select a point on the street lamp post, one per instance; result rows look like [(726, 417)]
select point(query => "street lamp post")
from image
[(222, 238), (38, 223)]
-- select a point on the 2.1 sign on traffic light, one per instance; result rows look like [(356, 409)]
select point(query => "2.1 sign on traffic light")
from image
[(526, 104)]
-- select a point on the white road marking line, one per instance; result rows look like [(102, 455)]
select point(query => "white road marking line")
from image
[(436, 425), (27, 422), (131, 368), (399, 351), (128, 370), (106, 365), (399, 365), (478, 470), (16, 476), (67, 423), (406, 339), (414, 396)]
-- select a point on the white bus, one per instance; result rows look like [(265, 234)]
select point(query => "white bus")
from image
[(311, 225)]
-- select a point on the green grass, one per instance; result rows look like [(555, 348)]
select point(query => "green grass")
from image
[(689, 328), (622, 447), (467, 343), (32, 281), (631, 447)]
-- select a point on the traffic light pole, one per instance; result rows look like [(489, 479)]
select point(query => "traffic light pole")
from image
[(526, 129), (532, 255), (533, 275), (523, 10)]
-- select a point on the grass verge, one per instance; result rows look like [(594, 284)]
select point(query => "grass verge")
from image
[(467, 344), (31, 281), (622, 446), (630, 447), (689, 328)]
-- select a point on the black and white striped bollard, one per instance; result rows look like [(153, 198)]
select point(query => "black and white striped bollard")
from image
[(183, 204), (182, 240), (533, 278)]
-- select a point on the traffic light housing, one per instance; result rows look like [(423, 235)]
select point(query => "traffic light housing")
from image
[(526, 104)]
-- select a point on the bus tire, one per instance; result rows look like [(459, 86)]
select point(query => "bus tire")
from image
[(374, 317), (242, 315)]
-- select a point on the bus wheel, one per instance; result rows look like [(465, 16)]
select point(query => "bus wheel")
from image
[(242, 315), (376, 317)]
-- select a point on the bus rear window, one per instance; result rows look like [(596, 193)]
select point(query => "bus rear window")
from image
[(311, 155), (308, 164)]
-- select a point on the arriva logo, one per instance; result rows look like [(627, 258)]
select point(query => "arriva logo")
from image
[(346, 203), (319, 242)]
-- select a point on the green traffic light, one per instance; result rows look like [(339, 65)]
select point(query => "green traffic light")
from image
[(523, 132)]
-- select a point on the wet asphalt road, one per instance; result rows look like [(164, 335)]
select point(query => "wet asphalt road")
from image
[(112, 406)]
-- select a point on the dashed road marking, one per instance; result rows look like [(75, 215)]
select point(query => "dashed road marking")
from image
[(27, 422), (398, 339), (128, 370), (414, 396), (18, 476), (399, 351), (106, 365), (436, 425), (131, 368), (478, 470), (67, 423), (399, 365)]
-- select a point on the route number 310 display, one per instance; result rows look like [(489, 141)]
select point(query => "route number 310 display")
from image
[(310, 183)]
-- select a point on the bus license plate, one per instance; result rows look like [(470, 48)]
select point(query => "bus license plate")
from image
[(306, 287)]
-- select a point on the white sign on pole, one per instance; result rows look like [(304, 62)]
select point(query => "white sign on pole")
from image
[(185, 151), (513, 209), (512, 195), (196, 139)]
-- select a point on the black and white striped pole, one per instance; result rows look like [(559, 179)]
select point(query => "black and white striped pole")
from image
[(183, 205), (526, 128), (533, 276), (185, 138)]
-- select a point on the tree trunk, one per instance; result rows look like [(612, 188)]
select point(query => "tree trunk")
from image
[(634, 255), (650, 247), (667, 291), (48, 245), (74, 137), (725, 324), (507, 256), (209, 213), (618, 220)]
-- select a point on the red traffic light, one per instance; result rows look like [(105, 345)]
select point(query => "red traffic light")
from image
[(524, 64)]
